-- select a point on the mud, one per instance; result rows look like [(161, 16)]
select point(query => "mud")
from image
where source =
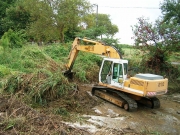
[(110, 118)]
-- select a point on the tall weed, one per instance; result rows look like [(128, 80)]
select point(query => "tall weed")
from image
[(41, 86), (87, 67), (4, 71), (26, 59), (57, 51), (12, 39), (39, 76)]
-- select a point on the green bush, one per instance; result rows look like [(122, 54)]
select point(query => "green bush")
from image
[(5, 44), (41, 86), (4, 71), (57, 51), (87, 66), (12, 39), (33, 53)]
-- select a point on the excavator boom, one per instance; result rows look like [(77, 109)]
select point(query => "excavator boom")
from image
[(91, 46)]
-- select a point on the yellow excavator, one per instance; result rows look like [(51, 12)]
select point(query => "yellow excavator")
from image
[(114, 84)]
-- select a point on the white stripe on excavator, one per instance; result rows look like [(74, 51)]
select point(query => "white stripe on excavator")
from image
[(133, 90)]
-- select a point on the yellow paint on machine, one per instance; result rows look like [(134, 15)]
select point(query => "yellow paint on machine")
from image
[(157, 86), (141, 87), (148, 85)]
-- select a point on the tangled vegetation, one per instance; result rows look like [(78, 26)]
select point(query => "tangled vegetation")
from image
[(38, 71), (32, 76)]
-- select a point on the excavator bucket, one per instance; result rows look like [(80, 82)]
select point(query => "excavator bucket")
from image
[(69, 74)]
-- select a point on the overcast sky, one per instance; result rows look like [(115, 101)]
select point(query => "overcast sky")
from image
[(126, 17)]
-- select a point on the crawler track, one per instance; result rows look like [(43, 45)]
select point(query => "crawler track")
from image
[(132, 105), (153, 102), (115, 97), (123, 100)]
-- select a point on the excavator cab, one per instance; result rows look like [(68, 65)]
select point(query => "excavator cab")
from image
[(113, 72)]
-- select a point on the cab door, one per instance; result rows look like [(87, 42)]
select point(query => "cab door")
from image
[(106, 69), (119, 74)]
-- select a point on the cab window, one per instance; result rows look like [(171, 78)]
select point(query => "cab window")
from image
[(117, 71), (105, 70), (125, 68)]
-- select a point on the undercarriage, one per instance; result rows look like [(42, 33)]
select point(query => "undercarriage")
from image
[(123, 99)]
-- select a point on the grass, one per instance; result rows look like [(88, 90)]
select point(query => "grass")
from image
[(175, 57), (38, 71), (36, 74), (86, 67), (12, 122), (41, 86), (23, 60), (62, 111), (147, 132), (4, 71), (134, 58)]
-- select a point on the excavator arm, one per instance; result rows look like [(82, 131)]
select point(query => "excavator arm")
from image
[(90, 46)]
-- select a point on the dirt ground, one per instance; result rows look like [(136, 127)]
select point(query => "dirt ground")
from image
[(110, 119), (84, 114)]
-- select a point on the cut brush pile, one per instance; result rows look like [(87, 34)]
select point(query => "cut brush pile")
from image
[(41, 78), (41, 86), (36, 96), (18, 118)]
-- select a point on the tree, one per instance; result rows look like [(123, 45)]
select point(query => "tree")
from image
[(170, 11), (69, 14), (17, 17), (112, 30), (12, 39), (52, 19), (100, 27), (42, 27), (105, 22), (4, 4), (156, 41)]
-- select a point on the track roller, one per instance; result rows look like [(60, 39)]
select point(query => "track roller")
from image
[(155, 102)]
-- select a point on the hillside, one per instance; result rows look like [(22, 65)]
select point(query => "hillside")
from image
[(36, 98)]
